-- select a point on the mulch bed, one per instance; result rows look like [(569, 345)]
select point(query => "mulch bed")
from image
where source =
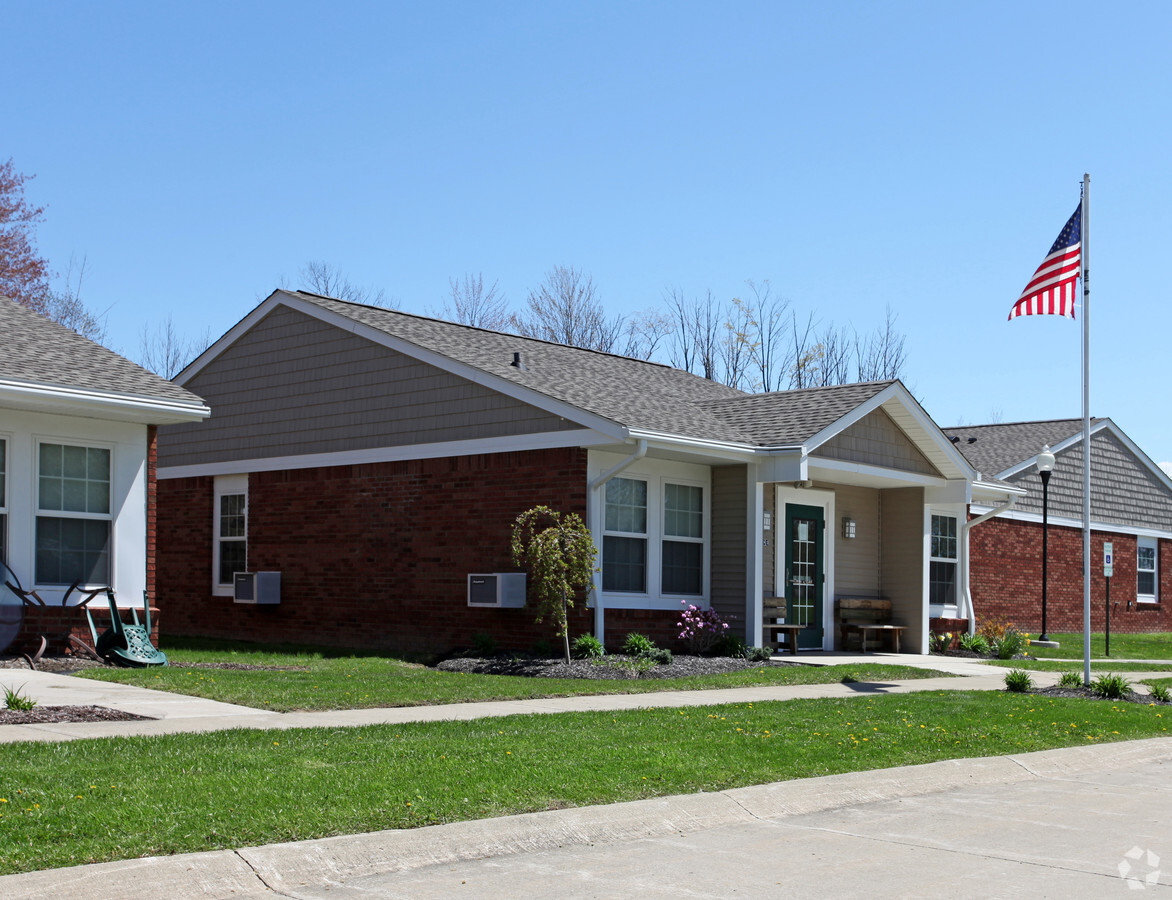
[(609, 667), (44, 715)]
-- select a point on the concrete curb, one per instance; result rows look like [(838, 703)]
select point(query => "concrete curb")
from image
[(308, 865)]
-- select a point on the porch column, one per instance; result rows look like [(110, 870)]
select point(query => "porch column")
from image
[(754, 537)]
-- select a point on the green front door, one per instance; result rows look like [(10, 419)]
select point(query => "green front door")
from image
[(804, 578)]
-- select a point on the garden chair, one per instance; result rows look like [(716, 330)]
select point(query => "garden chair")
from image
[(123, 644)]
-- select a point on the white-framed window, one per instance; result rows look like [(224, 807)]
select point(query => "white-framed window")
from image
[(654, 537), (73, 514), (229, 531), (3, 499), (942, 566), (1146, 580)]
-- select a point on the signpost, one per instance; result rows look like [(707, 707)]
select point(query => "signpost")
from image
[(1108, 567)]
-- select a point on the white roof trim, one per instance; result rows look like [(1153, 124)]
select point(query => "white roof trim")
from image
[(1036, 518), (99, 404), (508, 444), (470, 373)]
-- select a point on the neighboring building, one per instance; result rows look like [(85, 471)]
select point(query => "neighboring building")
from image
[(1131, 508), (77, 443), (375, 459)]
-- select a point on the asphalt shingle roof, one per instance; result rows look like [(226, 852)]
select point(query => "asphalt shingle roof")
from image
[(994, 448), (39, 351), (632, 392)]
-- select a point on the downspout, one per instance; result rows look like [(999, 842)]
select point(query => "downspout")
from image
[(640, 452), (966, 594)]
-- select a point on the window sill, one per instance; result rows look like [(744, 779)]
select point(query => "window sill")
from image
[(1144, 601)]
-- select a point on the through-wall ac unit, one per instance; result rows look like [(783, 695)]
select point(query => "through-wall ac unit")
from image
[(260, 588), (500, 590)]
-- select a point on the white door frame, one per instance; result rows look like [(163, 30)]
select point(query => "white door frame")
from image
[(820, 497)]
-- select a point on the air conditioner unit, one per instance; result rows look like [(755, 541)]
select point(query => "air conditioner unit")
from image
[(260, 588), (500, 590)]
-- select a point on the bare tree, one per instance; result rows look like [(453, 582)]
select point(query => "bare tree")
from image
[(694, 340), (644, 332), (738, 345), (24, 273), (470, 304), (882, 355), (768, 312), (64, 305), (166, 352), (565, 308), (834, 366), (329, 281)]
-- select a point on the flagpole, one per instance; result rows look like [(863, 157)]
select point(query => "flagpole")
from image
[(1086, 429)]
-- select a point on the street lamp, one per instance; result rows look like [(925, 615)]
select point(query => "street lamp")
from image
[(1045, 464)]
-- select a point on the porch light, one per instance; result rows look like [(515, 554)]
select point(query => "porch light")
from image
[(848, 527), (1045, 464)]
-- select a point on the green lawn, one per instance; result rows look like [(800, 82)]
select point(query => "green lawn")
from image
[(1123, 646), (1098, 666), (317, 680), (87, 801)]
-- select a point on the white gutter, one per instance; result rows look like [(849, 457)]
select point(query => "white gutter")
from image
[(966, 595), (640, 452)]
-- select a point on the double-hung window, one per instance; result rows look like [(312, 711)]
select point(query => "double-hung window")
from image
[(654, 538), (942, 566), (73, 515), (230, 531), (1145, 571), (624, 542), (3, 500)]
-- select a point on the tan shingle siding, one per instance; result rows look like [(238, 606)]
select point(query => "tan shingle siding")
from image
[(876, 440)]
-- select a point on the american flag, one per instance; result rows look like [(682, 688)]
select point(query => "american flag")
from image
[(1051, 290)]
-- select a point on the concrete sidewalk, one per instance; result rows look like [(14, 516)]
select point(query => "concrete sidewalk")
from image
[(1081, 822), (180, 713)]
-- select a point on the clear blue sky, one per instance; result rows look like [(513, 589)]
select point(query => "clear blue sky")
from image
[(858, 155)]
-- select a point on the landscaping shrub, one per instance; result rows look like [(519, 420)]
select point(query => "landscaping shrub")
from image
[(939, 643), (1018, 681), (542, 648), (484, 645), (661, 656), (1111, 687), (700, 628), (1160, 693), (1070, 680), (638, 645), (974, 643), (758, 654), (587, 646), (994, 629), (14, 699), (729, 645), (1010, 644)]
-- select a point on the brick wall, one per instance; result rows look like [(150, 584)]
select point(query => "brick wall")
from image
[(371, 556), (1006, 579)]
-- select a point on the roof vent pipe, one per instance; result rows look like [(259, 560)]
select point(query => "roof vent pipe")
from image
[(518, 364)]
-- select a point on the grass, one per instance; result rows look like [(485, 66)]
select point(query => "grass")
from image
[(1099, 666), (317, 680), (1123, 646), (95, 800)]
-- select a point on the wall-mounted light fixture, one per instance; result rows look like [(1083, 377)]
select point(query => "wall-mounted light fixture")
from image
[(848, 527), (767, 521)]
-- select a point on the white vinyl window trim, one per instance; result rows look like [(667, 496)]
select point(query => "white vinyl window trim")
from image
[(3, 499), (663, 528), (943, 557), (229, 531), (1147, 570), (74, 519)]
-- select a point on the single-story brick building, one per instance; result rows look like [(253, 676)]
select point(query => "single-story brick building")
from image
[(376, 459), (1131, 508), (77, 479)]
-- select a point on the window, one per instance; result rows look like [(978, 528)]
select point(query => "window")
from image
[(1145, 570), (942, 567), (683, 543), (654, 538), (624, 541), (230, 530), (73, 515), (3, 501)]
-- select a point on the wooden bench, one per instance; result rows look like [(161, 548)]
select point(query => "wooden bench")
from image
[(773, 624), (852, 613), (868, 630)]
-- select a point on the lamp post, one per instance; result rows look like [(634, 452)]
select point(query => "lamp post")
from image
[(1045, 464)]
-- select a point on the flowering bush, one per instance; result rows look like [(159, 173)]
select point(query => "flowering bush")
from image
[(700, 628)]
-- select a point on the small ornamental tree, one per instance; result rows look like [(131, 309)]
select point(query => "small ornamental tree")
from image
[(559, 554)]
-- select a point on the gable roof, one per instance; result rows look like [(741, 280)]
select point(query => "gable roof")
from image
[(997, 448), (45, 363), (620, 395)]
